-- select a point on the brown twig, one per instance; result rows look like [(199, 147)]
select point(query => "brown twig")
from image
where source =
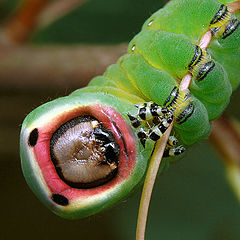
[(57, 9), (23, 21), (149, 183), (225, 137), (234, 7), (55, 67)]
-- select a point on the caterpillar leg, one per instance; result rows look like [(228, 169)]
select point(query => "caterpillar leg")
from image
[(152, 133), (149, 110), (142, 136), (172, 149), (158, 130), (150, 121), (148, 115)]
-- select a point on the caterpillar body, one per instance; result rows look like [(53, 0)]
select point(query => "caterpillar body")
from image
[(84, 152)]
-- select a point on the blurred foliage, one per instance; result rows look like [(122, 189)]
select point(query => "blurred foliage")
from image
[(99, 21), (192, 200), (7, 7)]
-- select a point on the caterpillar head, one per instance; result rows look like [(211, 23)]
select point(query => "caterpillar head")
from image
[(80, 155)]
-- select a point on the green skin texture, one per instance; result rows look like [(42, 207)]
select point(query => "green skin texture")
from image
[(158, 62)]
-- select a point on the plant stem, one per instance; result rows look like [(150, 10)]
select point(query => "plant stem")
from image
[(56, 67), (149, 183), (23, 21), (57, 9), (234, 7)]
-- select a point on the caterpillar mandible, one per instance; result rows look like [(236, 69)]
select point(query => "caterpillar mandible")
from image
[(84, 152)]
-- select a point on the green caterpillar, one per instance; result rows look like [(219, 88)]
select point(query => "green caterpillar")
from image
[(84, 152)]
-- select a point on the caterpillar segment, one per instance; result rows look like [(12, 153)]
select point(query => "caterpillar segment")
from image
[(143, 66), (207, 75), (210, 83)]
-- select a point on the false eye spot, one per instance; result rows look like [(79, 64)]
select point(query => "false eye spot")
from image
[(133, 47), (33, 137), (84, 153), (60, 199)]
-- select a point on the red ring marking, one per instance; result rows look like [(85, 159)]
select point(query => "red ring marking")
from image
[(110, 119)]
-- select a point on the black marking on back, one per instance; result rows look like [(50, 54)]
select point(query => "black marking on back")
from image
[(187, 96), (174, 93), (220, 14), (196, 58), (187, 113), (205, 70), (154, 105), (231, 28), (179, 150)]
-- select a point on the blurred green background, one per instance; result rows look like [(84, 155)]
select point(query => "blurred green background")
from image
[(191, 201)]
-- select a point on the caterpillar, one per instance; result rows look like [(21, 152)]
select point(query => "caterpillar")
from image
[(84, 152)]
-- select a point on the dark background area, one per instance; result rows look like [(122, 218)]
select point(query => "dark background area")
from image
[(192, 200)]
